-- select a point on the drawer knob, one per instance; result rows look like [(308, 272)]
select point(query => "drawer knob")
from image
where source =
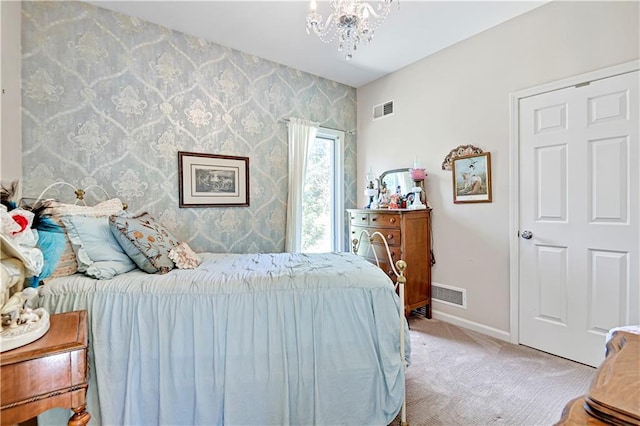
[(373, 219), (392, 220), (389, 237), (364, 218)]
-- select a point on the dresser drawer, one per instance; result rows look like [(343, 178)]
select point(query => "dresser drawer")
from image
[(393, 237), (359, 219), (386, 220), (366, 248), (386, 267)]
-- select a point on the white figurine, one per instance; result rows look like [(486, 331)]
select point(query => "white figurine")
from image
[(24, 324), (30, 315), (12, 310)]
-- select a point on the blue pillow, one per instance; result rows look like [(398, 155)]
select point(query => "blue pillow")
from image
[(146, 241), (51, 241), (98, 252)]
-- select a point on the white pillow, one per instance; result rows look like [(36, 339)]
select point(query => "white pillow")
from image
[(105, 208)]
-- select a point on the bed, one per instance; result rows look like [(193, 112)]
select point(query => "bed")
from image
[(243, 339)]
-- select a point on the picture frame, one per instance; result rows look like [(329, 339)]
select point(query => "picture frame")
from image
[(472, 178), (209, 180)]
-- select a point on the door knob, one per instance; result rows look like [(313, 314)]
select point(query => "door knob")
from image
[(527, 235)]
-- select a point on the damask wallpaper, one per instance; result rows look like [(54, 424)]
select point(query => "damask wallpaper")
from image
[(111, 99)]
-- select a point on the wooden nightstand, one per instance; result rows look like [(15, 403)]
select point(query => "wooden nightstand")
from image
[(50, 372)]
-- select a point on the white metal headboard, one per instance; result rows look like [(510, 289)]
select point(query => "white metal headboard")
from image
[(79, 193)]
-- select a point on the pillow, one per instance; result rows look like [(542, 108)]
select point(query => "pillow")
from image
[(184, 257), (67, 263), (105, 208), (52, 242), (145, 240), (98, 253)]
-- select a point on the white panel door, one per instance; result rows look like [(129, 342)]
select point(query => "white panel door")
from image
[(579, 216)]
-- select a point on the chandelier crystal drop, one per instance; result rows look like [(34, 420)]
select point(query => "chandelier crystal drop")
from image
[(350, 22)]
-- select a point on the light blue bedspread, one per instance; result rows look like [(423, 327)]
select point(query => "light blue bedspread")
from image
[(245, 339)]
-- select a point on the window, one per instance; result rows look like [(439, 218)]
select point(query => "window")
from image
[(322, 199)]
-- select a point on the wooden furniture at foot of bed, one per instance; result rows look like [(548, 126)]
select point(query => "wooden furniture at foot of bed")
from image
[(50, 372), (614, 395)]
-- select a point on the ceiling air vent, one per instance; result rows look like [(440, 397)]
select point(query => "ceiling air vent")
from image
[(383, 110)]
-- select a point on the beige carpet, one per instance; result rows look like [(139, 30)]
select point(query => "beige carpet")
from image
[(460, 377)]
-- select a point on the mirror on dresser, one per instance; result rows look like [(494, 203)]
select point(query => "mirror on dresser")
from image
[(397, 180)]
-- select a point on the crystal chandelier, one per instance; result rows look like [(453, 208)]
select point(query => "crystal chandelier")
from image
[(350, 21)]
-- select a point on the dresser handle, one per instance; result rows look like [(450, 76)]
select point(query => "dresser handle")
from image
[(392, 220), (373, 219), (363, 218), (389, 237)]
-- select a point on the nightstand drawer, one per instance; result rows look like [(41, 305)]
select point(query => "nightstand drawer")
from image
[(49, 372), (23, 380)]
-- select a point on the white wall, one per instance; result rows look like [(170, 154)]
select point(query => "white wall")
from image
[(459, 96), (10, 124)]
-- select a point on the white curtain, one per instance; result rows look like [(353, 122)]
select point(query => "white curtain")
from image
[(301, 133)]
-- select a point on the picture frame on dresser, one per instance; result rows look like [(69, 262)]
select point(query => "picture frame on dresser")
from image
[(472, 178), (210, 180)]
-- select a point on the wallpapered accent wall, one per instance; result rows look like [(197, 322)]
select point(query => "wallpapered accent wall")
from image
[(111, 99)]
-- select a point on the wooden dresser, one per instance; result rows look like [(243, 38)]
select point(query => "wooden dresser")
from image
[(408, 234), (49, 372)]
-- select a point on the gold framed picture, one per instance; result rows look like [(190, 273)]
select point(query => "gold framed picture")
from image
[(472, 178)]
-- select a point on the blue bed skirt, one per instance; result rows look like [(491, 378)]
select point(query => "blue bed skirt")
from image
[(262, 339)]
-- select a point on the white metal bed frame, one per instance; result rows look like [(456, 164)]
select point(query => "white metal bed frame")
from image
[(80, 193), (398, 270)]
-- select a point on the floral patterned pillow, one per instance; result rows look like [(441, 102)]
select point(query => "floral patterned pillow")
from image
[(184, 257), (146, 241)]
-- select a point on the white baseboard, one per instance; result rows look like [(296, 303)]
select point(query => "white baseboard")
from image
[(474, 326)]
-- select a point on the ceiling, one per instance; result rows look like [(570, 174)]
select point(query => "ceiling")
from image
[(275, 30)]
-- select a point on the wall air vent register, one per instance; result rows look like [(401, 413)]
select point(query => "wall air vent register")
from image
[(383, 110), (449, 295)]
